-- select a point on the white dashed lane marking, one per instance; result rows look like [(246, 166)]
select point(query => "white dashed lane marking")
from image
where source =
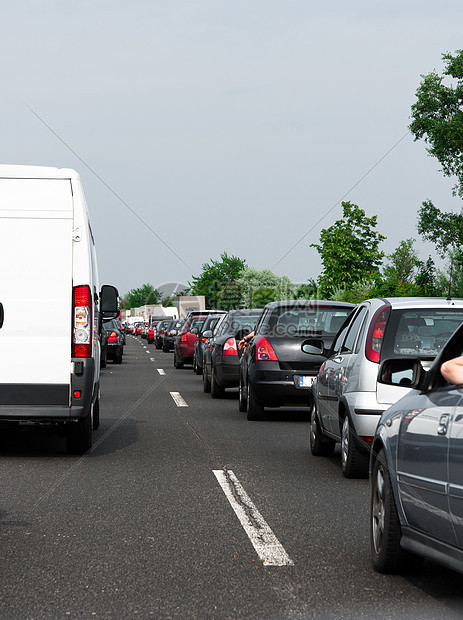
[(264, 541), (178, 399), (161, 371)]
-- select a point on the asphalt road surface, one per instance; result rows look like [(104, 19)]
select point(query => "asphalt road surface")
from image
[(184, 509)]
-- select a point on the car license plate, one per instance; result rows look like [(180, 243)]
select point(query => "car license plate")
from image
[(305, 381)]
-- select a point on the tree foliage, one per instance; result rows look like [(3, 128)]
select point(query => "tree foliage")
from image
[(443, 229), (261, 287), (216, 277), (349, 250), (438, 117), (146, 295)]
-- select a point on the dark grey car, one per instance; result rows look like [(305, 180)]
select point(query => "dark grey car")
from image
[(416, 467)]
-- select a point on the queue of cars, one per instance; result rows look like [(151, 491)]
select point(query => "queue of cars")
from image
[(370, 377)]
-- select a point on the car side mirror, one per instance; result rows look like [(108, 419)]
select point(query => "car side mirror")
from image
[(314, 346), (194, 330), (207, 333), (403, 372), (241, 333), (109, 306)]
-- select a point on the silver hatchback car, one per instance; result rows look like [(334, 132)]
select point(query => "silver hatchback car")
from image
[(348, 399)]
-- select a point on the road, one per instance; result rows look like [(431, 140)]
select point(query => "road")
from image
[(141, 527)]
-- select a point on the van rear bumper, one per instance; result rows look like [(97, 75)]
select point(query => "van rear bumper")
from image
[(50, 402), (41, 413)]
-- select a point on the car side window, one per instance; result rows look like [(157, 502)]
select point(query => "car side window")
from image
[(336, 347), (354, 329)]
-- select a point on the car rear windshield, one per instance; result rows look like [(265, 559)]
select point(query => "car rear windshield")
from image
[(420, 332), (198, 323), (309, 320), (235, 322)]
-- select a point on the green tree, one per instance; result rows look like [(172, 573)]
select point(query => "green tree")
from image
[(445, 230), (260, 287), (438, 116), (146, 295), (306, 291), (349, 251), (215, 277)]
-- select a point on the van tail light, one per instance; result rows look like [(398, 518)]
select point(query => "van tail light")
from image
[(264, 351), (376, 333), (112, 337), (229, 348), (82, 321)]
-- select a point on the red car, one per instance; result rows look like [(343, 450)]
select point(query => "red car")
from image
[(184, 346)]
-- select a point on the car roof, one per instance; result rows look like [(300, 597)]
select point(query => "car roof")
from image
[(417, 302)]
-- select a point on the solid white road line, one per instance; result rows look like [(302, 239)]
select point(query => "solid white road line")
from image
[(161, 371), (178, 399), (268, 548)]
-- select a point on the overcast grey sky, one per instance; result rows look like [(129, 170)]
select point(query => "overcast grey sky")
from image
[(226, 125)]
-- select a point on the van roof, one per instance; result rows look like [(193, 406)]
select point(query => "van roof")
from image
[(11, 171)]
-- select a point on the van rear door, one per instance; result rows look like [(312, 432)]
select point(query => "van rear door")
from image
[(36, 228)]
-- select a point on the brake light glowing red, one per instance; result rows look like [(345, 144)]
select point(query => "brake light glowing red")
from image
[(112, 337), (183, 339), (229, 348), (264, 351), (376, 333), (82, 321)]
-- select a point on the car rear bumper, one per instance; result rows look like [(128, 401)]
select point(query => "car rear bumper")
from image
[(276, 388)]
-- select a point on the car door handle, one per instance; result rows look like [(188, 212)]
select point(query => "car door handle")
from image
[(2, 315), (443, 424)]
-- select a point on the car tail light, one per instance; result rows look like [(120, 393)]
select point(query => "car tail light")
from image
[(82, 322), (376, 333), (203, 340), (183, 339), (229, 348), (366, 438), (264, 351), (112, 337)]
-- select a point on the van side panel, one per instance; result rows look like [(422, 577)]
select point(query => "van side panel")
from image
[(36, 230)]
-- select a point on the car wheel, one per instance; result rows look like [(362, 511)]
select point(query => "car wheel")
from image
[(255, 408), (177, 364), (103, 359), (96, 413), (242, 400), (385, 532), (165, 348), (319, 444), (206, 381), (217, 391), (117, 359), (196, 368), (79, 435), (354, 462), (158, 345)]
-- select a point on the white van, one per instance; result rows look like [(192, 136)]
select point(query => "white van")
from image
[(51, 306)]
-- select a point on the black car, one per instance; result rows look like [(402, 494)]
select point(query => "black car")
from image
[(198, 355), (114, 341), (160, 329), (221, 364), (289, 346), (171, 331)]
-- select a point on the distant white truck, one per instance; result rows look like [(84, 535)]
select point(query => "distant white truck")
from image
[(190, 303), (50, 365)]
